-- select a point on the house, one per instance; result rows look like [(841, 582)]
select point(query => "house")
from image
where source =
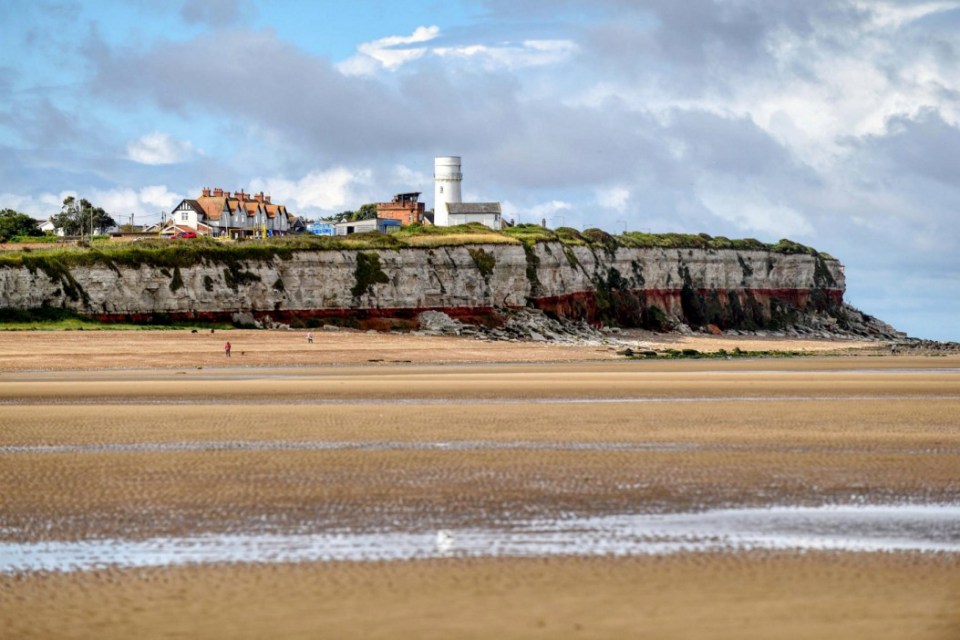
[(405, 207), (219, 213), (486, 213), (383, 225), (48, 226)]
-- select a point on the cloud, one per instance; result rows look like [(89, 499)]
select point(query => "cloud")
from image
[(392, 52), (751, 210), (159, 148), (834, 121), (529, 53), (890, 15), (318, 192), (215, 13), (120, 202), (615, 198), (388, 53)]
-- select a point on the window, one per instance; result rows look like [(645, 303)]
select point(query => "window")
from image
[(184, 216), (441, 188)]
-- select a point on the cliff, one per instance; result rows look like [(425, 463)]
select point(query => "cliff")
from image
[(651, 287)]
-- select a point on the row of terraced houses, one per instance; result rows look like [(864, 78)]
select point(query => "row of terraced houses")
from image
[(222, 213)]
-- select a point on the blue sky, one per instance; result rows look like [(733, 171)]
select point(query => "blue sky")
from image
[(835, 123)]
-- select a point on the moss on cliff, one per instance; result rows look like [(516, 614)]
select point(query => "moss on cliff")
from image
[(485, 262), (367, 274)]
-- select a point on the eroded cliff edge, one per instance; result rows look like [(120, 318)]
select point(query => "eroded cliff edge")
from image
[(655, 288)]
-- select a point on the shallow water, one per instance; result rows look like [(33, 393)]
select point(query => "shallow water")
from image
[(851, 528)]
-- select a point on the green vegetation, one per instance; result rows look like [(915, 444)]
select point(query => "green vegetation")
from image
[(704, 241), (78, 218), (365, 212), (367, 274), (533, 263), (16, 225), (485, 262), (185, 253), (177, 281), (721, 354), (54, 319)]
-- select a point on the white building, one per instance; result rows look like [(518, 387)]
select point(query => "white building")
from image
[(446, 187), (383, 225), (486, 213), (449, 209)]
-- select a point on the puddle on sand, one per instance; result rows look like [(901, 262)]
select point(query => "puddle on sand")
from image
[(859, 528)]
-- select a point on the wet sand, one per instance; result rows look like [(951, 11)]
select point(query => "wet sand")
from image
[(165, 349), (133, 449)]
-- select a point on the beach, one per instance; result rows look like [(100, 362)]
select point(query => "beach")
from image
[(381, 485)]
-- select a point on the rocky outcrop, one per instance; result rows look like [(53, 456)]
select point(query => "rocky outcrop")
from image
[(648, 287)]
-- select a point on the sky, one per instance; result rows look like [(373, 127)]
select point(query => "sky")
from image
[(834, 123)]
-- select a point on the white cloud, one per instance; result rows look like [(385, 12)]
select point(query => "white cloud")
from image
[(319, 191), (160, 197), (392, 52), (146, 203), (529, 53), (388, 53), (886, 15), (159, 148), (613, 198)]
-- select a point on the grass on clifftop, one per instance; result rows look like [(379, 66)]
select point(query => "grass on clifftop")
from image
[(56, 261)]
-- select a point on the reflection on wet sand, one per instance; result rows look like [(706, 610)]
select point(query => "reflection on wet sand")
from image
[(851, 528)]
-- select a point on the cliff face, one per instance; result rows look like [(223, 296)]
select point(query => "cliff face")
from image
[(632, 286)]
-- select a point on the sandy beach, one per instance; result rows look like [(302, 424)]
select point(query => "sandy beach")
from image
[(120, 439)]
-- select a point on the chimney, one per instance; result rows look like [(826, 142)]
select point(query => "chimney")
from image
[(241, 196), (217, 192), (226, 194), (206, 192), (259, 197), (266, 199)]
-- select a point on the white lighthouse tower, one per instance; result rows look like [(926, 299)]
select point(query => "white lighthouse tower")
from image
[(446, 187)]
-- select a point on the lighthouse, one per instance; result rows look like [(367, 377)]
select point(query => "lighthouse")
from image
[(446, 187)]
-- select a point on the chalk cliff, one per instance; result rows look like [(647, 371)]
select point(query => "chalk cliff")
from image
[(650, 287)]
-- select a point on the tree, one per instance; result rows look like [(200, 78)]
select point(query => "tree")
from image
[(365, 212), (80, 218), (13, 224)]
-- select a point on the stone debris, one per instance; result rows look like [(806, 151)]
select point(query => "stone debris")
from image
[(245, 320), (437, 323), (532, 325)]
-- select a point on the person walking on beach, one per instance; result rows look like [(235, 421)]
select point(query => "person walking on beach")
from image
[(226, 349), (310, 337)]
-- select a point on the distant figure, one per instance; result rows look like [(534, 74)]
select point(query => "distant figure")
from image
[(310, 337), (212, 331), (226, 349)]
